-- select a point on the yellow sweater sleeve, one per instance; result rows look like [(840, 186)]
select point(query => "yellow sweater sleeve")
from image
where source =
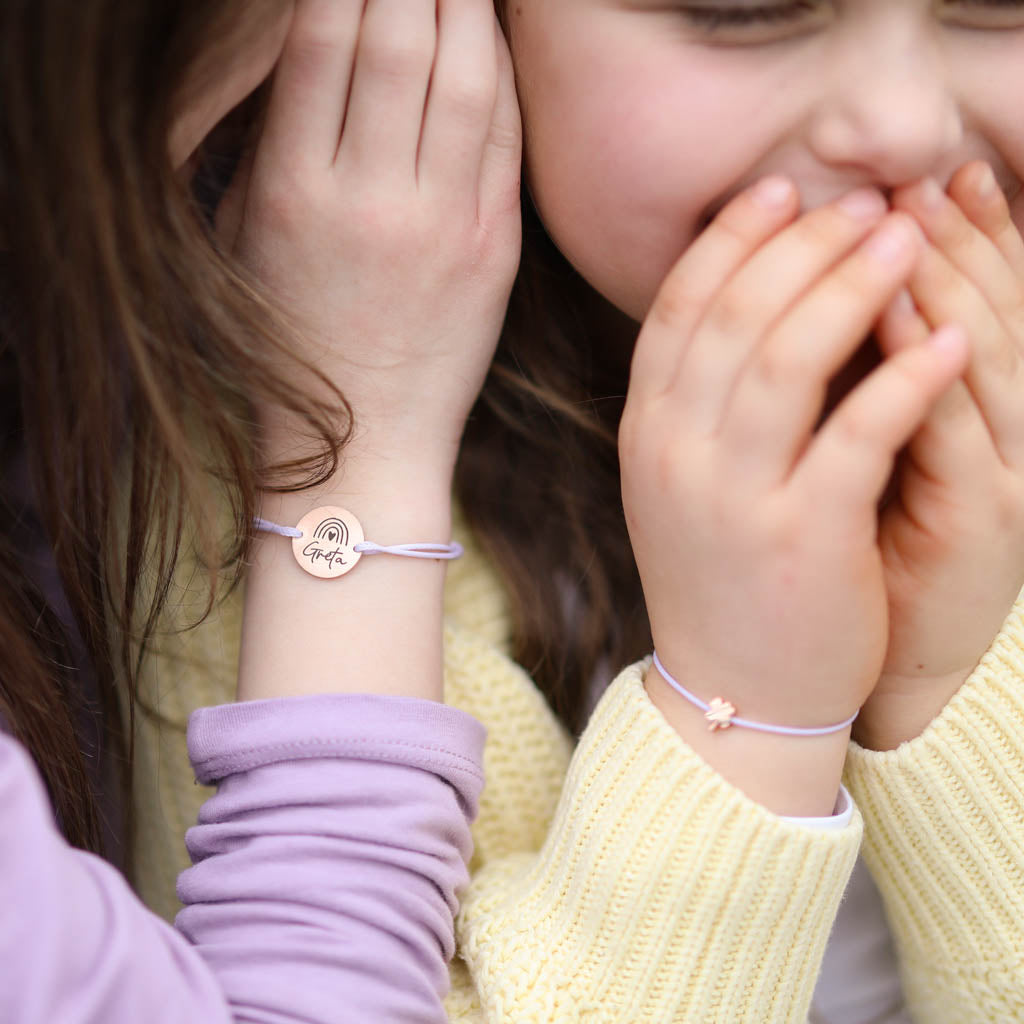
[(614, 880), (658, 892), (944, 840)]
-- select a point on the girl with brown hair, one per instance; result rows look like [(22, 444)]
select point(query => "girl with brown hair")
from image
[(755, 406), (156, 359)]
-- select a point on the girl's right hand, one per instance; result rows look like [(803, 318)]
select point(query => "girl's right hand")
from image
[(381, 208), (754, 533)]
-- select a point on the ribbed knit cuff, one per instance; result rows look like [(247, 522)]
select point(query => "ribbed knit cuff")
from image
[(662, 894), (944, 817)]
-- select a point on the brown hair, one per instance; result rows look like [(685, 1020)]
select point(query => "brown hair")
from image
[(548, 419), (120, 323)]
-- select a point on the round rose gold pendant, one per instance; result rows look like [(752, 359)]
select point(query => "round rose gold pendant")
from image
[(326, 548)]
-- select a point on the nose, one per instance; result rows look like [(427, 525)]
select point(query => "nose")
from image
[(889, 114)]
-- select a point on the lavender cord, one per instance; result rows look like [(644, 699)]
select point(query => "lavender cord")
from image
[(744, 722), (435, 551)]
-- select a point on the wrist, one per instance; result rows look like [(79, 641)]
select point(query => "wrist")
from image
[(792, 776), (393, 449)]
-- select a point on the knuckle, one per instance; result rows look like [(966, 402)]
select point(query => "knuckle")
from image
[(469, 97), (733, 230), (854, 428), (675, 303), (398, 58), (778, 366), (319, 34), (827, 229), (730, 314)]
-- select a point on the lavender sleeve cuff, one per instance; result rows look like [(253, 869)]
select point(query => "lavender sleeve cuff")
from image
[(326, 877), (235, 738), (334, 850)]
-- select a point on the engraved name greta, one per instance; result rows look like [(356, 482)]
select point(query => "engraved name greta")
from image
[(313, 551)]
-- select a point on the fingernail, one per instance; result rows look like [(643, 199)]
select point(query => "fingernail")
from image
[(890, 243), (950, 339), (864, 204), (773, 192), (932, 196), (986, 185)]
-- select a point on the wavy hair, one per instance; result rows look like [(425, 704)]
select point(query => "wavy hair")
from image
[(131, 353)]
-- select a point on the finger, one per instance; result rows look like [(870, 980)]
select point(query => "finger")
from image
[(901, 325), (394, 61), (501, 163), (311, 83), (954, 441), (975, 189), (745, 224), (778, 397), (852, 455), (968, 249), (760, 293), (460, 105), (995, 376)]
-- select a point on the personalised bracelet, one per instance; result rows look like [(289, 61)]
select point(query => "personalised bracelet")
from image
[(329, 542), (721, 714)]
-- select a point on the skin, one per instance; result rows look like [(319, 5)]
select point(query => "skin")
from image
[(640, 127), (388, 165), (769, 578)]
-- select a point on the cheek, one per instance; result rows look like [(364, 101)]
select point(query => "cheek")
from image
[(625, 159), (617, 193)]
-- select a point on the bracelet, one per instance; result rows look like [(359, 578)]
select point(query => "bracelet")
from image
[(721, 714), (329, 542)]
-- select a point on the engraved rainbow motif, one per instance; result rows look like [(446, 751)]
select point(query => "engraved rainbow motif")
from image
[(333, 531)]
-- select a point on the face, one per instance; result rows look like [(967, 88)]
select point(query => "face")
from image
[(643, 117), (256, 39)]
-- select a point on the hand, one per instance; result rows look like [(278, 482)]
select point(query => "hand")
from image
[(952, 542), (381, 207), (754, 535)]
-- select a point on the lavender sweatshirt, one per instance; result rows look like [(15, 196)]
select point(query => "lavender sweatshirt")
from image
[(324, 886)]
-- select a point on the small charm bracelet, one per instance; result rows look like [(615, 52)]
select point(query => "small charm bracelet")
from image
[(329, 542), (721, 714)]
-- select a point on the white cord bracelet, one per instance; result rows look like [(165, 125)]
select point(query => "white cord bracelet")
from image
[(329, 542)]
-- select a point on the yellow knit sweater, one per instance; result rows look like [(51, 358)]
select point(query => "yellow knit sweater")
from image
[(625, 881)]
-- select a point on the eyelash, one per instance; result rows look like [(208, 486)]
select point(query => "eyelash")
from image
[(712, 18)]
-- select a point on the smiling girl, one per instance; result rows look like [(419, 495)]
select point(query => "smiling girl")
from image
[(771, 308)]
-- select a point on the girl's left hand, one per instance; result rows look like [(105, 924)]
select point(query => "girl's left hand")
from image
[(952, 540)]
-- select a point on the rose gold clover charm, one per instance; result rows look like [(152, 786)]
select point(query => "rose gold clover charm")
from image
[(719, 714)]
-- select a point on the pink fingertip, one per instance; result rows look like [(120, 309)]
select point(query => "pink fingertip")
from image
[(773, 193), (951, 340)]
